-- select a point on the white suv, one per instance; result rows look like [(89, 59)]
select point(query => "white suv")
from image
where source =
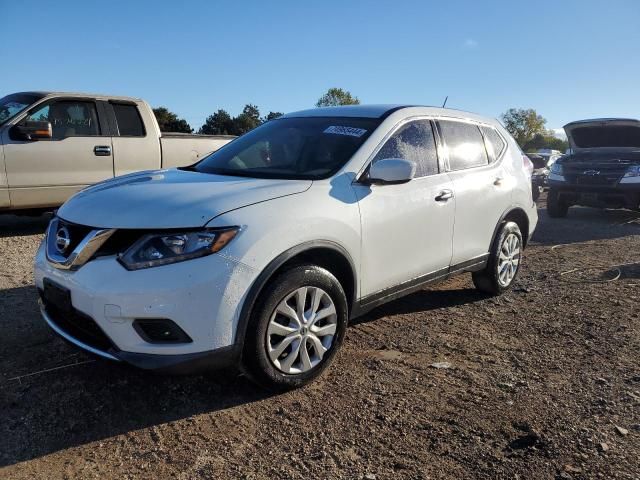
[(261, 253)]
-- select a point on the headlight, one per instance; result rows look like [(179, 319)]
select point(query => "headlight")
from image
[(153, 250), (633, 171), (556, 168)]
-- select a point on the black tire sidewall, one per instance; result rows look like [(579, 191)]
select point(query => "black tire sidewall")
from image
[(492, 268), (255, 357), (556, 207)]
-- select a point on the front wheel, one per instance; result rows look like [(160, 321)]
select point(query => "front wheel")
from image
[(504, 261), (557, 207), (296, 328)]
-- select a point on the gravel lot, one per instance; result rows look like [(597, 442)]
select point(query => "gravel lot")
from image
[(543, 382)]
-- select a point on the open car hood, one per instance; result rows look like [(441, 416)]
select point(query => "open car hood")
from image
[(622, 134), (170, 199)]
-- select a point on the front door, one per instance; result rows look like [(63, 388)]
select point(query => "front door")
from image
[(45, 173), (406, 229)]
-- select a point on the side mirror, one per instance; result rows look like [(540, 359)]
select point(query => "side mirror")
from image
[(31, 130), (390, 171)]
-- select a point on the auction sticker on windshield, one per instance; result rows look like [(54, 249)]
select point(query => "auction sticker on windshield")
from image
[(351, 131)]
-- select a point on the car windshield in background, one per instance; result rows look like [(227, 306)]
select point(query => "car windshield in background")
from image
[(291, 148), (11, 105), (603, 137)]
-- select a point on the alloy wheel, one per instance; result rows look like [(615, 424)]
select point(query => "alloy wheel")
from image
[(509, 259), (301, 330)]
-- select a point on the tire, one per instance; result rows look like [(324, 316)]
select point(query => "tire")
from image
[(267, 357), (535, 193), (556, 206), (494, 280)]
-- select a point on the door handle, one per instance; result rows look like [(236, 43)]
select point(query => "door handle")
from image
[(444, 195), (498, 181), (102, 150)]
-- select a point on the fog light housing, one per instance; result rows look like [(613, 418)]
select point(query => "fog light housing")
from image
[(160, 330)]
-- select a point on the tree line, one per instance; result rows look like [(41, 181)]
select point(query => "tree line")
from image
[(526, 125), (222, 123)]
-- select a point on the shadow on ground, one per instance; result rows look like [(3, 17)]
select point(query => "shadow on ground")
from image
[(584, 224), (15, 226), (86, 402)]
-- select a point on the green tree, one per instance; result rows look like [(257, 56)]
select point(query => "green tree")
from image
[(523, 124), (335, 97), (220, 123), (272, 116), (247, 120), (545, 140), (169, 121)]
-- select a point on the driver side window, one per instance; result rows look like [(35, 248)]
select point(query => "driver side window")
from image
[(69, 118), (415, 142)]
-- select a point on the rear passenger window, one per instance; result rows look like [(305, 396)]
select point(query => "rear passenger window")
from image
[(129, 121), (494, 142), (464, 143), (413, 141)]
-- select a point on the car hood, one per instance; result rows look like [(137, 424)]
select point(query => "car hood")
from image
[(619, 134), (170, 199)]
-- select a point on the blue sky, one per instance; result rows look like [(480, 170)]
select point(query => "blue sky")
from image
[(567, 59)]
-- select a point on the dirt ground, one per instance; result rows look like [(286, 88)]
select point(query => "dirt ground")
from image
[(543, 382)]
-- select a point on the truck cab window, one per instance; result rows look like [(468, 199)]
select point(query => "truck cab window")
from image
[(128, 120), (69, 118)]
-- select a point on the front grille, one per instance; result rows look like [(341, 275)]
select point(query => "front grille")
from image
[(79, 326), (77, 233), (119, 242), (608, 173)]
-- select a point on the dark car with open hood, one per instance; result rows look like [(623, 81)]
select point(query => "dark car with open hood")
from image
[(602, 170)]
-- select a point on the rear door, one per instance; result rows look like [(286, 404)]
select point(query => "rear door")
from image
[(135, 147), (406, 229), (45, 173), (481, 185)]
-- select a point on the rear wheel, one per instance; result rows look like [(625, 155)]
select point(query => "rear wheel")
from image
[(296, 328), (557, 207), (504, 261)]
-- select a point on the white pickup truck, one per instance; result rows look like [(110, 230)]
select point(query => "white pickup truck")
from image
[(54, 144)]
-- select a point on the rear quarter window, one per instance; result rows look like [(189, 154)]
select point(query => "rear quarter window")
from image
[(128, 120), (494, 142)]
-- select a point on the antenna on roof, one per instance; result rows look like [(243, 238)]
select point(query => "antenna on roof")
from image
[(445, 101)]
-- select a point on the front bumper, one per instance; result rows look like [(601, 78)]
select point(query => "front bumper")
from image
[(620, 195), (171, 364), (202, 296)]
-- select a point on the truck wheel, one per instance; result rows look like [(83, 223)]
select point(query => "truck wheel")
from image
[(556, 206), (296, 328), (504, 261)]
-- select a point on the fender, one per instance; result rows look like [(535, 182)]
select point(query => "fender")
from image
[(271, 268), (512, 208)]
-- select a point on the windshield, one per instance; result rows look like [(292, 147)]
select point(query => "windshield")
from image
[(308, 148), (11, 105), (625, 136)]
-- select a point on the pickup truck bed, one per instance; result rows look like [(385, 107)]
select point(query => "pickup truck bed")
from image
[(182, 149)]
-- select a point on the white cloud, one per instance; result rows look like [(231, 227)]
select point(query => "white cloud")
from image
[(559, 133), (470, 43)]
